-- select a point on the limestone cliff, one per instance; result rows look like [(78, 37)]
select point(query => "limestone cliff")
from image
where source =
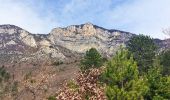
[(80, 38), (61, 43)]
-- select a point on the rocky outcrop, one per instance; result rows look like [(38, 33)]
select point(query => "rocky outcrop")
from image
[(27, 38), (18, 45), (62, 43), (15, 38), (80, 38)]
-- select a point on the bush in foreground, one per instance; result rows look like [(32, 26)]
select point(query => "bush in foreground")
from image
[(85, 87)]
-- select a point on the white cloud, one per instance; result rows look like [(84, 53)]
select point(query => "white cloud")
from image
[(143, 16), (137, 16), (21, 14)]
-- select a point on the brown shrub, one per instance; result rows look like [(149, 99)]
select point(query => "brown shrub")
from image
[(86, 86)]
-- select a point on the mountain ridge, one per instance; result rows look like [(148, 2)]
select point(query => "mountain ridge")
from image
[(74, 38)]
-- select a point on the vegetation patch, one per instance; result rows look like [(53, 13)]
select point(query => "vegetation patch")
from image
[(51, 98), (28, 75), (57, 63), (4, 75), (123, 77)]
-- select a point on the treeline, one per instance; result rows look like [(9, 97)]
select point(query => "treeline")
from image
[(135, 72)]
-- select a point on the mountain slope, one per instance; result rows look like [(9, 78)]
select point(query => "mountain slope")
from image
[(17, 44), (41, 63), (75, 39), (20, 45)]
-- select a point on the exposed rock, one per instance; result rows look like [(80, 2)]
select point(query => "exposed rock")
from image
[(27, 38), (80, 38), (11, 42), (62, 43), (9, 29), (88, 29), (45, 43)]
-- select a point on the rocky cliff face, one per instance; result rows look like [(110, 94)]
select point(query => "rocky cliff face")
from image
[(80, 38), (60, 43), (15, 38), (17, 44)]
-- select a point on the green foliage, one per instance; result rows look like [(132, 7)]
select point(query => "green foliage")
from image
[(4, 75), (51, 98), (72, 85), (159, 86), (58, 63), (92, 59), (122, 78), (165, 62), (14, 88), (143, 49), (32, 81), (28, 75)]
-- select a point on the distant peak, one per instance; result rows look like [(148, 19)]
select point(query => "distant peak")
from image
[(9, 26), (88, 23)]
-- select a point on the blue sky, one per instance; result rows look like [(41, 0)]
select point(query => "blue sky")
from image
[(147, 17)]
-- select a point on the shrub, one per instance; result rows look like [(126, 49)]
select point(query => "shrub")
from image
[(51, 98), (57, 63), (28, 75), (14, 88), (32, 81), (4, 75), (85, 87)]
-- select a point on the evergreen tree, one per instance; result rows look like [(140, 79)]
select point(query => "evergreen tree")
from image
[(122, 78), (165, 62), (92, 59), (143, 49), (159, 86)]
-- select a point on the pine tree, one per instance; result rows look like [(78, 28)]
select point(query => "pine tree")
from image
[(122, 78), (143, 49), (92, 59), (165, 62), (159, 86)]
